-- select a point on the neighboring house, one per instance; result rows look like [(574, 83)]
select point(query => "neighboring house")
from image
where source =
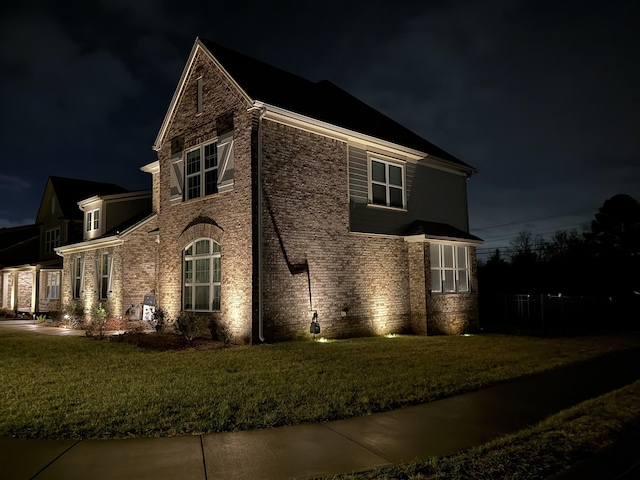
[(115, 263), (31, 277), (279, 199)]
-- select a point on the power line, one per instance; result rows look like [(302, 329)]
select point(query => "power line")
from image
[(485, 227)]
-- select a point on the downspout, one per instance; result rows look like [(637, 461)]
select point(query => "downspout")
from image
[(259, 168)]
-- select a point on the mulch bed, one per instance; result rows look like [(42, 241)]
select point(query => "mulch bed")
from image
[(166, 341)]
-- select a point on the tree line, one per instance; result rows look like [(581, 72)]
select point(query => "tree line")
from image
[(601, 262)]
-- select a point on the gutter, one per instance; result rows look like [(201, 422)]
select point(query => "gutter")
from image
[(260, 302)]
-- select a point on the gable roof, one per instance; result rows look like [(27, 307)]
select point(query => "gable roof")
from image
[(323, 100), (439, 230), (70, 191)]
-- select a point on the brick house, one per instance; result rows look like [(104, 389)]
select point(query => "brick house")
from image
[(278, 199), (30, 269), (115, 262)]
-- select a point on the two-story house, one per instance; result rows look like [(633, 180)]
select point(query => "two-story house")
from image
[(114, 264), (31, 282), (280, 200)]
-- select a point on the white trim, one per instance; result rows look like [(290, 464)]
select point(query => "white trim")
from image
[(112, 241), (152, 168), (444, 240), (386, 161)]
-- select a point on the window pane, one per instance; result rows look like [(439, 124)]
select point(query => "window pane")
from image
[(379, 194), (193, 162), (434, 252), (461, 254), (202, 247), (377, 171), (395, 175), (210, 155), (449, 283), (216, 248), (193, 187), (188, 271), (211, 182), (189, 251), (216, 270), (395, 199), (447, 252), (463, 282), (188, 298), (105, 264), (215, 301), (202, 298), (202, 270), (436, 281)]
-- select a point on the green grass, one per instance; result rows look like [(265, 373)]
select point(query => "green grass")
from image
[(75, 387), (537, 452)]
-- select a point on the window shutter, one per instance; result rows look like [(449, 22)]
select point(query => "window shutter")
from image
[(81, 260), (110, 278), (226, 164), (176, 181), (96, 283)]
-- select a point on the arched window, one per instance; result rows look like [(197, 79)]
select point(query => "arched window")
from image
[(201, 276)]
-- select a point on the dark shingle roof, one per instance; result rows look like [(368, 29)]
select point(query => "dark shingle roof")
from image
[(19, 245), (322, 100), (70, 191), (436, 229)]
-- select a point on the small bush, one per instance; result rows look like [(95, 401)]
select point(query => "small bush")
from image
[(189, 324), (220, 331), (41, 318), (160, 318), (96, 328), (54, 315), (135, 326), (73, 314), (6, 313)]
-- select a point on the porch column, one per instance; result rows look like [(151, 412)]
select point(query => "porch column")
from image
[(418, 288)]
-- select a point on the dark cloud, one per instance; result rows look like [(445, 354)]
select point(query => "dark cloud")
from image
[(540, 96)]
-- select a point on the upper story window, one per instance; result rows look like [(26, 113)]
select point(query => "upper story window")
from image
[(202, 171), (449, 268), (51, 240), (93, 220), (387, 183)]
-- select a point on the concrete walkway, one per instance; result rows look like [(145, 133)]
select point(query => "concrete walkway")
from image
[(358, 444)]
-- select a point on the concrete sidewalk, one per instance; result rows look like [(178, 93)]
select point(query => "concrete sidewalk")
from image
[(344, 446), (32, 326)]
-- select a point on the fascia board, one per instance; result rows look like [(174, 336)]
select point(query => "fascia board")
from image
[(281, 115), (457, 241), (152, 168), (197, 46), (111, 241)]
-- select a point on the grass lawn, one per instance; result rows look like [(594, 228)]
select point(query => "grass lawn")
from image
[(537, 452), (76, 387)]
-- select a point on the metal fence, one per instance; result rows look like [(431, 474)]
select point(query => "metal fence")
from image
[(542, 313)]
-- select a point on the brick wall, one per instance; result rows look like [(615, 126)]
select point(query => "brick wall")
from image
[(25, 289), (225, 217)]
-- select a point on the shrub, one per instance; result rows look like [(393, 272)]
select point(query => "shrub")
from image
[(41, 318), (189, 324), (159, 317), (96, 328), (219, 331), (54, 315), (73, 314), (6, 312)]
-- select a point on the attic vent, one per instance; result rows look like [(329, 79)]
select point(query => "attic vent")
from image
[(177, 144), (224, 123)]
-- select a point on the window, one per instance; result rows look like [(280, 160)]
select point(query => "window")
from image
[(387, 183), (51, 240), (78, 273), (201, 276), (93, 220), (53, 285), (202, 171), (104, 275), (449, 268)]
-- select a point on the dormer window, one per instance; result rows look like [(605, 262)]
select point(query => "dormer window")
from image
[(93, 220)]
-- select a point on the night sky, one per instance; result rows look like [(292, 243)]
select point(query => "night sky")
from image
[(542, 97)]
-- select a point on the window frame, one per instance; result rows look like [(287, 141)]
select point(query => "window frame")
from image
[(52, 285), (51, 239), (92, 220), (450, 269), (199, 175), (372, 183), (78, 274), (104, 276), (190, 285)]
